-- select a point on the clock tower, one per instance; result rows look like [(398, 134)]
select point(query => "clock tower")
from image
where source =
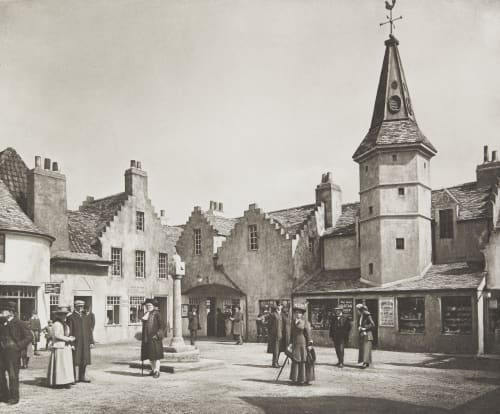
[(394, 176)]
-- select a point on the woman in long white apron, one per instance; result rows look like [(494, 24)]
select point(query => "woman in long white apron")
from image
[(60, 372)]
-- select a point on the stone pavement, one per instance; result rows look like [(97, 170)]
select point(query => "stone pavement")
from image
[(397, 383)]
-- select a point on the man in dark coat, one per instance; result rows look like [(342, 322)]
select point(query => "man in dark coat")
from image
[(194, 324), (153, 331), (278, 331), (14, 337), (340, 326), (80, 326)]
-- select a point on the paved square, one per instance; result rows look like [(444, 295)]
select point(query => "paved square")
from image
[(398, 383)]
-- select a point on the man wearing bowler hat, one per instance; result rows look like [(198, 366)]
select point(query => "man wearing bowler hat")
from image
[(340, 327), (14, 337), (80, 326)]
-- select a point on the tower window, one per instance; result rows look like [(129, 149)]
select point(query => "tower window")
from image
[(366, 168), (394, 157), (400, 244), (370, 268), (401, 191), (446, 224), (370, 210)]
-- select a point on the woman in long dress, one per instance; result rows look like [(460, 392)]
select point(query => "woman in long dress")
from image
[(60, 372), (302, 371), (365, 328), (153, 330)]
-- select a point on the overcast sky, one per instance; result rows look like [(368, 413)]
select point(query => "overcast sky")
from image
[(238, 101)]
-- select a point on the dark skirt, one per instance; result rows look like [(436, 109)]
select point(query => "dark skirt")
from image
[(302, 372), (152, 350)]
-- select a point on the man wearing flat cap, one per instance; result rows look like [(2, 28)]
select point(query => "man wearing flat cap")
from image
[(340, 326), (80, 326), (14, 337)]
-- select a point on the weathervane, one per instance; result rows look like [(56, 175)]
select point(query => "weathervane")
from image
[(390, 21)]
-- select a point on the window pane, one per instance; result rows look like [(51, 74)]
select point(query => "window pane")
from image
[(116, 258), (162, 265), (140, 263), (456, 313), (411, 314), (139, 220), (253, 237), (446, 224)]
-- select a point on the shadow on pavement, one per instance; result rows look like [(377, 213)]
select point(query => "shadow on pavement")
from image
[(255, 365), (484, 380), (280, 382), (485, 404), (341, 405), (450, 362), (127, 374)]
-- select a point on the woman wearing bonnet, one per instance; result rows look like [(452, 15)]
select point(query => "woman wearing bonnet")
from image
[(365, 327), (152, 336)]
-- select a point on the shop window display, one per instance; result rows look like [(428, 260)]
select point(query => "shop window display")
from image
[(456, 312), (320, 312), (411, 315)]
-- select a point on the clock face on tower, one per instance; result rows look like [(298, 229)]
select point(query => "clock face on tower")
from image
[(394, 104)]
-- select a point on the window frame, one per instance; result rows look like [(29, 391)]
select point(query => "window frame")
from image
[(253, 237), (446, 223), (400, 243), (120, 264), (162, 265), (115, 303), (140, 255), (135, 302), (401, 191), (140, 221), (419, 301), (457, 298), (197, 247)]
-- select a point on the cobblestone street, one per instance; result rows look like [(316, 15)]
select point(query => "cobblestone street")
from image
[(398, 383)]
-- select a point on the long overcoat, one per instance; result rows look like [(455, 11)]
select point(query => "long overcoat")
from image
[(237, 328), (80, 326), (339, 329), (302, 369), (278, 331), (153, 331)]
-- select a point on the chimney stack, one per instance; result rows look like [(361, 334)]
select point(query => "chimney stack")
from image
[(330, 194), (132, 163), (488, 172), (46, 201), (136, 180), (486, 154), (139, 165), (221, 207)]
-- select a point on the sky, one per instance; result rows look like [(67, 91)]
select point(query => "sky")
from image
[(238, 101)]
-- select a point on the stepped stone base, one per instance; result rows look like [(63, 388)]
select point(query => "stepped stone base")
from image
[(173, 367), (181, 353)]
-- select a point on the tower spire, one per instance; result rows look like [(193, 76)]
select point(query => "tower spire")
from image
[(390, 20)]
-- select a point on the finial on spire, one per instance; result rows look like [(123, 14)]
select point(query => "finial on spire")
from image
[(390, 20)]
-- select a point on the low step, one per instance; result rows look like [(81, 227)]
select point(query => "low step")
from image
[(174, 367)]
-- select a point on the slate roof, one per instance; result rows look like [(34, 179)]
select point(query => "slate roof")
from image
[(472, 200), (72, 256), (14, 173), (292, 219), (12, 217), (86, 225), (346, 223), (388, 133), (450, 276), (222, 225)]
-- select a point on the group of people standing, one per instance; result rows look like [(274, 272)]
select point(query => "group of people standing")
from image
[(71, 337)]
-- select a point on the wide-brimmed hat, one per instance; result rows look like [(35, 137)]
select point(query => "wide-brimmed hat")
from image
[(153, 301), (10, 306), (301, 307), (62, 310)]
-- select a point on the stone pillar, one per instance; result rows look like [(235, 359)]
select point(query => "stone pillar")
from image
[(177, 339)]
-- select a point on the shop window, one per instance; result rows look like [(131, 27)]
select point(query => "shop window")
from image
[(112, 310), (493, 315), (162, 265), (140, 264), (2, 248), (136, 309), (197, 242), (116, 259), (400, 244), (320, 312), (253, 242), (268, 303), (456, 313), (446, 224), (139, 220), (411, 315)]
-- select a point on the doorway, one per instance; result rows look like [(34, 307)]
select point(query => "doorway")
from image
[(211, 317), (372, 305)]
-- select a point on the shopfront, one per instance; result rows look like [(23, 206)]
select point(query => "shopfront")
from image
[(492, 317), (25, 298)]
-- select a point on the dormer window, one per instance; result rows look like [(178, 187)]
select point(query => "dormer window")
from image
[(139, 220), (446, 224)]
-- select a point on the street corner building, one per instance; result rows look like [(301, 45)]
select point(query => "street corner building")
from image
[(424, 262), (112, 252)]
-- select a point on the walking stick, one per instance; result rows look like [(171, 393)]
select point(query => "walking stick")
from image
[(142, 368), (281, 370)]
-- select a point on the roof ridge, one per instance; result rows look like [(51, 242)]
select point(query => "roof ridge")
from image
[(454, 186), (104, 198), (292, 208)]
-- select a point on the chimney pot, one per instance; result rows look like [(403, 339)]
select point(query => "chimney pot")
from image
[(46, 164), (139, 165), (162, 213), (38, 161), (486, 155), (132, 163), (211, 205), (494, 156), (221, 207), (55, 166)]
